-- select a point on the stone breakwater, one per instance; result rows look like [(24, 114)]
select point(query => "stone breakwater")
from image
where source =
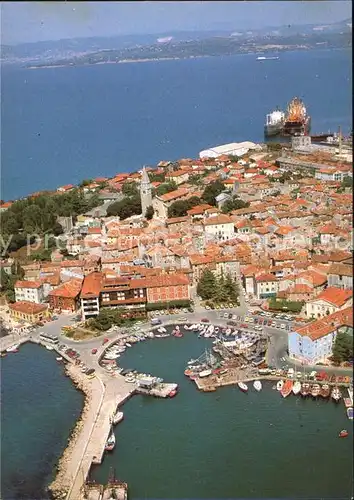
[(60, 487)]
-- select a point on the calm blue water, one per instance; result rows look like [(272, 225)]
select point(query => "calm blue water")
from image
[(39, 407), (225, 444), (61, 125)]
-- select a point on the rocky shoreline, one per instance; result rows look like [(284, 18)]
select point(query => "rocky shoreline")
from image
[(59, 488)]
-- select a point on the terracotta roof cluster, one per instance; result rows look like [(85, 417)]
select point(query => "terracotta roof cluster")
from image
[(92, 285)]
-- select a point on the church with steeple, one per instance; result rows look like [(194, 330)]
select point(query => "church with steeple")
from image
[(145, 191)]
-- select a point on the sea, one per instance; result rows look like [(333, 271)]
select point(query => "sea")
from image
[(62, 125)]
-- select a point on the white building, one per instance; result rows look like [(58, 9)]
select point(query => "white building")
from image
[(329, 301), (219, 228), (234, 148), (29, 291)]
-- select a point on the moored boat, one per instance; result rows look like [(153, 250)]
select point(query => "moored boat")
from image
[(287, 388), (13, 348), (111, 442), (205, 373), (347, 402), (315, 390), (336, 394), (59, 358), (280, 385), (242, 386), (350, 413), (325, 391), (305, 389), (343, 433), (118, 417), (296, 388), (257, 384)]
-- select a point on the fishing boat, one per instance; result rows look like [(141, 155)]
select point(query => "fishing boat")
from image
[(305, 389), (205, 373), (336, 394), (242, 386), (296, 388), (111, 442), (315, 390), (280, 385), (118, 417), (325, 391), (13, 348), (59, 358), (257, 384), (344, 433), (49, 347), (350, 413), (287, 388)]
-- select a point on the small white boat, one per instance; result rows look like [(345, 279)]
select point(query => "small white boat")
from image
[(111, 442), (118, 417), (280, 384), (186, 327), (59, 358), (242, 386), (296, 388), (257, 384), (50, 348), (13, 348), (128, 345), (205, 373)]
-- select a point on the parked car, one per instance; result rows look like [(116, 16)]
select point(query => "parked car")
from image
[(94, 351), (204, 320), (283, 326), (105, 341), (226, 315)]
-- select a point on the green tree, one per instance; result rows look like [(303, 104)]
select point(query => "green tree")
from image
[(130, 189), (125, 208), (180, 207), (220, 294), (212, 191), (232, 289), (85, 182), (206, 285), (233, 204), (166, 188), (149, 212), (343, 348)]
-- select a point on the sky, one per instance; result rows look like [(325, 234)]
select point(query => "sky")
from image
[(39, 21)]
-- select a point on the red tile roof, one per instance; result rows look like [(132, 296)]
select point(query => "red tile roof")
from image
[(336, 296), (266, 277), (92, 285), (28, 284), (69, 289), (28, 307), (174, 195), (318, 329)]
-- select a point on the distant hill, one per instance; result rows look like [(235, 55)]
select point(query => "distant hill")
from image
[(173, 44)]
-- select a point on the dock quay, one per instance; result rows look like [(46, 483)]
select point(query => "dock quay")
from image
[(211, 383)]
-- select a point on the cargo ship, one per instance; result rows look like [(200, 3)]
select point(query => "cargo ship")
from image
[(297, 121)]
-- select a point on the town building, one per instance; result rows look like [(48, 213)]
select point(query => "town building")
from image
[(28, 312), (29, 291), (219, 228), (331, 300), (232, 149), (90, 295), (314, 342), (66, 296), (266, 286), (341, 276)]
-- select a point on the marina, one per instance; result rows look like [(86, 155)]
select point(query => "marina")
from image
[(230, 358)]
